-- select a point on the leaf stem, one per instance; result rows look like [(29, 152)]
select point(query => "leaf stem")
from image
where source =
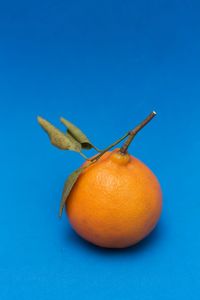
[(133, 132), (125, 146), (83, 155), (109, 147), (102, 152), (97, 149)]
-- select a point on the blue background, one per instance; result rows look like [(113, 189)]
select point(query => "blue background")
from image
[(104, 65)]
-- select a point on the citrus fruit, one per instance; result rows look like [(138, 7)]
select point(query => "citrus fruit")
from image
[(115, 202)]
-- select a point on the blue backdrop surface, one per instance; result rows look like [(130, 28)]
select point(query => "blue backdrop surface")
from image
[(104, 65)]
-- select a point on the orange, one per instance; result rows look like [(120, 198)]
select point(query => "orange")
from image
[(115, 202)]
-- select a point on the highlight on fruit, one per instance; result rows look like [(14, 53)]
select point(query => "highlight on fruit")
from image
[(113, 200)]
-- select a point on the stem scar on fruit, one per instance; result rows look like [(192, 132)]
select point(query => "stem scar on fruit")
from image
[(113, 200)]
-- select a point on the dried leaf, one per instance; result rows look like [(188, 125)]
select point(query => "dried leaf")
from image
[(68, 187), (74, 141), (58, 138), (77, 134)]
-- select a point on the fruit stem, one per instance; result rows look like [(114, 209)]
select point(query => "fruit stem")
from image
[(133, 132)]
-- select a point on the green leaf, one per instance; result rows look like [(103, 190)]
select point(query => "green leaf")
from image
[(68, 187), (77, 134), (58, 138)]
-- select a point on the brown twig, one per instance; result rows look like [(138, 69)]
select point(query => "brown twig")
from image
[(133, 132)]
